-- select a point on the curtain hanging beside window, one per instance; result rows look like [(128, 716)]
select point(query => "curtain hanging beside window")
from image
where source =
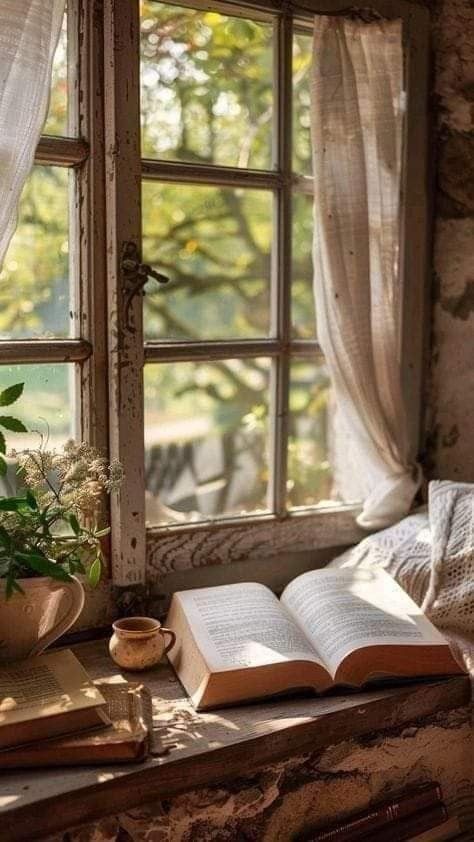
[(29, 31), (357, 130)]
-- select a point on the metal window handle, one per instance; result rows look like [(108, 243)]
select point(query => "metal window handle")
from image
[(135, 274)]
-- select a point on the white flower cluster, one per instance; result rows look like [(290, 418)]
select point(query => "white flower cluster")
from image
[(76, 477)]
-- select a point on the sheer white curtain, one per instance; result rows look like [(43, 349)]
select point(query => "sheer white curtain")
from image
[(357, 120), (29, 31)]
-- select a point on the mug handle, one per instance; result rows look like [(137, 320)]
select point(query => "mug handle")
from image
[(172, 642), (77, 598)]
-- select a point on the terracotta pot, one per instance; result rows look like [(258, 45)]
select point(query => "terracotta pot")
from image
[(31, 621), (138, 643)]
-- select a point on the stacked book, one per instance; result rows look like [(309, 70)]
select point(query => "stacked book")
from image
[(416, 816), (52, 714)]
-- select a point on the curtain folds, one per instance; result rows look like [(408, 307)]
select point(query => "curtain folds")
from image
[(29, 31), (356, 122)]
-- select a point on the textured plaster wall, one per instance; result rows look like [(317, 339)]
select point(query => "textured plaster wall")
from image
[(451, 387), (276, 803)]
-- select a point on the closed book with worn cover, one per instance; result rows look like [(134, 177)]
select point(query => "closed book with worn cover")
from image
[(450, 829), (406, 829), (47, 696), (358, 826), (126, 740)]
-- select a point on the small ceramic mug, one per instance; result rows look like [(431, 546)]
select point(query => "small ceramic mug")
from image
[(139, 643)]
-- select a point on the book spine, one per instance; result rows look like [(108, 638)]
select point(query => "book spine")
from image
[(360, 825), (413, 825), (449, 829)]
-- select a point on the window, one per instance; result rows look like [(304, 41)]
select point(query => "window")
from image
[(220, 340), (47, 333), (212, 389), (236, 397)]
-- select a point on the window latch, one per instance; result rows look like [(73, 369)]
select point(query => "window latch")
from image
[(135, 275)]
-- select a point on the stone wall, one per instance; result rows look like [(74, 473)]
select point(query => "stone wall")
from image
[(450, 450)]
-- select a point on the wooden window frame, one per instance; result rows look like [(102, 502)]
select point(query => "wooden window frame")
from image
[(139, 553)]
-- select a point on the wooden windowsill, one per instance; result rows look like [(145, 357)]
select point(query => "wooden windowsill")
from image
[(204, 748)]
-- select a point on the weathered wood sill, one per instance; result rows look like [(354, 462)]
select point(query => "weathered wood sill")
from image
[(206, 748)]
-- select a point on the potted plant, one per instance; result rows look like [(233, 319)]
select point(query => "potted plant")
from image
[(49, 534)]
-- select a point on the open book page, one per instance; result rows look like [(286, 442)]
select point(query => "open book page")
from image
[(342, 611), (243, 625)]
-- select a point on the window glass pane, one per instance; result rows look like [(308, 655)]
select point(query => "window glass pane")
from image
[(311, 428), (303, 309), (47, 405), (57, 119), (206, 87), (214, 244), (36, 266), (302, 48), (206, 438)]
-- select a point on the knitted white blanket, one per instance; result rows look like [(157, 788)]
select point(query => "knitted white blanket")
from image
[(431, 555)]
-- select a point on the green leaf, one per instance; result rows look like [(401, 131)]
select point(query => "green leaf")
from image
[(10, 395), (43, 566), (12, 424), (31, 500), (101, 533), (95, 572), (4, 537), (3, 467), (11, 504), (3, 444), (74, 524)]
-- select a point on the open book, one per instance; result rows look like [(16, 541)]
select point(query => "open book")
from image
[(331, 627)]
